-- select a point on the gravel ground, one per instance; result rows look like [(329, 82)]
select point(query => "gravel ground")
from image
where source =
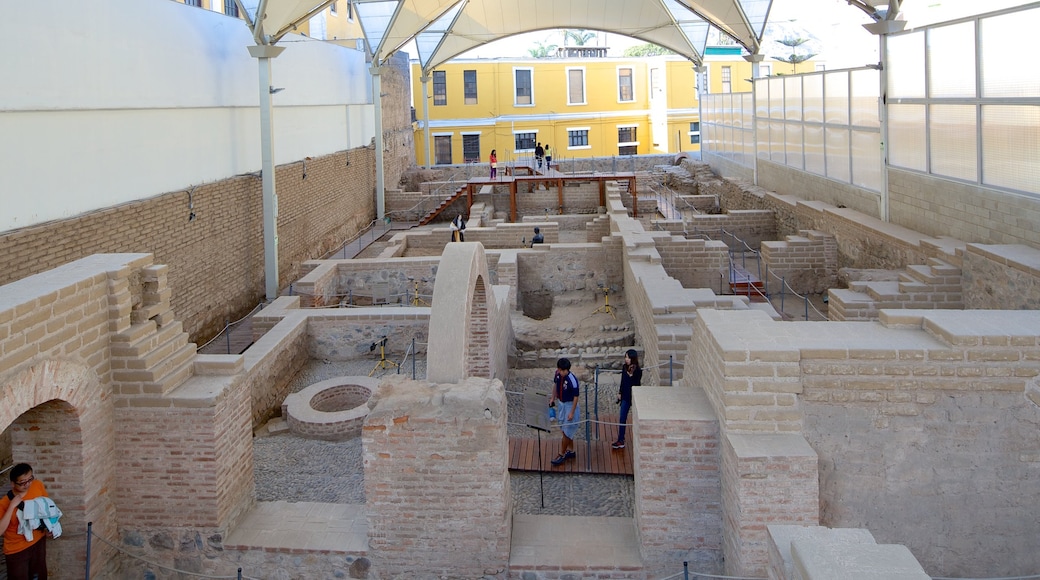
[(291, 468)]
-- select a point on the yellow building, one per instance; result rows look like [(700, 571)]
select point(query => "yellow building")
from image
[(581, 107), (337, 23)]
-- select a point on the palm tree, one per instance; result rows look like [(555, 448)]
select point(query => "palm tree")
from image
[(580, 36), (542, 50), (793, 42)]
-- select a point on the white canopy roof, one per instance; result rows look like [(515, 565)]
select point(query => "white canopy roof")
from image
[(443, 29)]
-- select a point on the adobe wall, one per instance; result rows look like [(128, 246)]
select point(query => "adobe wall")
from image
[(437, 479), (1003, 277), (694, 263)]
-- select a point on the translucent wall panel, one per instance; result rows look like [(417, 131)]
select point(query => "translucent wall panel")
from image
[(749, 148), (951, 60), (906, 65), (814, 152), (762, 142), (776, 142), (836, 107), (1003, 73), (793, 145), (762, 98), (812, 98), (776, 97), (838, 154), (793, 98), (866, 159), (1010, 142), (953, 141), (747, 110), (906, 137), (864, 102), (726, 102)]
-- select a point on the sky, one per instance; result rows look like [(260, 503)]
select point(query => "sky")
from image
[(835, 27)]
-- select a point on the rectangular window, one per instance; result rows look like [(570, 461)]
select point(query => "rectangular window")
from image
[(578, 137), (333, 10), (230, 8), (471, 148), (523, 87), (727, 80), (442, 149), (469, 82), (350, 10), (575, 86), (627, 135), (627, 150), (196, 3), (695, 133), (624, 81), (440, 88), (765, 70), (524, 141)]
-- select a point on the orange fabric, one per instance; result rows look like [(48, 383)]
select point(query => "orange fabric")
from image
[(13, 541)]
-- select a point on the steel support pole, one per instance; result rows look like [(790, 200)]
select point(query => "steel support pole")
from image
[(264, 54), (377, 99), (426, 117)]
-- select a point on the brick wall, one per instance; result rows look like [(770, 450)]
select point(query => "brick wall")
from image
[(436, 479), (1001, 277), (694, 263), (678, 509), (736, 227), (807, 263)]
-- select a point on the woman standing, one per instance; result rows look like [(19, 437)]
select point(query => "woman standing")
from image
[(631, 375), (494, 164)]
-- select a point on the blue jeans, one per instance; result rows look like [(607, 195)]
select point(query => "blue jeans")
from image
[(625, 407)]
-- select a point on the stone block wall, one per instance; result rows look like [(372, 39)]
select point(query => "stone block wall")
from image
[(1005, 277), (348, 334), (807, 263), (568, 267), (694, 263), (332, 282), (436, 479), (678, 509), (273, 360)]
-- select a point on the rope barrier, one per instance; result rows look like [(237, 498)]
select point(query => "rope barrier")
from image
[(804, 298), (228, 326), (157, 565)]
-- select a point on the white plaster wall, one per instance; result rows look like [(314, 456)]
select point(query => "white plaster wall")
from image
[(105, 103)]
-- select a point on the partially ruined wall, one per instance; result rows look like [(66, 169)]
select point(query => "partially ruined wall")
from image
[(437, 479), (1005, 277), (694, 263), (806, 263)]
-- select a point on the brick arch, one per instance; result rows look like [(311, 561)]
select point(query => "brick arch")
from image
[(50, 409), (460, 344)]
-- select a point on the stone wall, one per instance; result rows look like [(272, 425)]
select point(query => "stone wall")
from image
[(736, 227), (694, 263), (812, 187), (1005, 277), (437, 479), (567, 268)]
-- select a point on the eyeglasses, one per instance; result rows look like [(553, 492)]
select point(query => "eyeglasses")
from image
[(25, 482)]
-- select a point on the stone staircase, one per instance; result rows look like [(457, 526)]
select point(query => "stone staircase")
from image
[(935, 285), (152, 356), (433, 213)]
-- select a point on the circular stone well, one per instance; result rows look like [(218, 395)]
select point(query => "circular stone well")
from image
[(331, 410)]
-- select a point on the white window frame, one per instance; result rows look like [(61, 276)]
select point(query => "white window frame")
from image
[(521, 131), (632, 79), (627, 143), (586, 129), (584, 86), (333, 10), (530, 70), (765, 70)]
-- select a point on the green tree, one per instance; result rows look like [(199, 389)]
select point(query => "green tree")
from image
[(793, 43), (580, 37), (542, 50), (647, 49)]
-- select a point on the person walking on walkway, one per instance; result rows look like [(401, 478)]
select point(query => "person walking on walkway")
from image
[(494, 164), (539, 155), (25, 557), (631, 375), (568, 412), (548, 156)]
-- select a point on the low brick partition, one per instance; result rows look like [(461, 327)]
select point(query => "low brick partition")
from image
[(806, 263), (330, 410)]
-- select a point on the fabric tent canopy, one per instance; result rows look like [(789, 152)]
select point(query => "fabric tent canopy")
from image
[(444, 29)]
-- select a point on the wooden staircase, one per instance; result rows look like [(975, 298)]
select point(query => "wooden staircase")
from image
[(433, 213)]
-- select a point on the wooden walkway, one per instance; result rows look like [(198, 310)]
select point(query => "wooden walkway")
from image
[(596, 456)]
